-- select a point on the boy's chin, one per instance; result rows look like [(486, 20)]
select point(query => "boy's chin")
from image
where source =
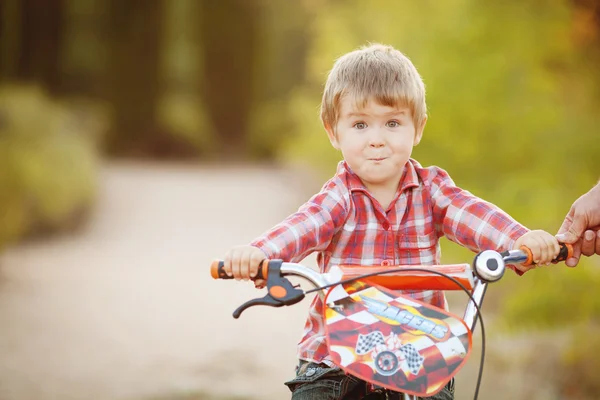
[(378, 179)]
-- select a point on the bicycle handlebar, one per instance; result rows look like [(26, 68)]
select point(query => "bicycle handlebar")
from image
[(488, 266), (484, 268)]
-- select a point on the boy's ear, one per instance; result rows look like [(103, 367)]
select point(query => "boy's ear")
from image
[(419, 131), (332, 137)]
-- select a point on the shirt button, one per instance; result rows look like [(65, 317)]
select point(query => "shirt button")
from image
[(385, 263), (386, 225)]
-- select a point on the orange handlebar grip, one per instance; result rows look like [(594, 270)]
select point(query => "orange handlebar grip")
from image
[(527, 251), (566, 251), (569, 250), (263, 270), (217, 271)]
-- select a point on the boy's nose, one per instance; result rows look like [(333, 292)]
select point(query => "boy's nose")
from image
[(376, 140)]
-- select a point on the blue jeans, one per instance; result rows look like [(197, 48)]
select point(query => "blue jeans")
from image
[(321, 382)]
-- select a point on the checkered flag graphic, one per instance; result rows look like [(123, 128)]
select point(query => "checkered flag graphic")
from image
[(413, 359), (366, 343)]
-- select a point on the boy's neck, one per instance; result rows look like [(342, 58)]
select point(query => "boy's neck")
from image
[(383, 194)]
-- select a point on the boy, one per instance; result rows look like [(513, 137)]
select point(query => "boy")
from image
[(380, 208)]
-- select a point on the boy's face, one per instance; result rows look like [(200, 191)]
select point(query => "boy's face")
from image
[(376, 141)]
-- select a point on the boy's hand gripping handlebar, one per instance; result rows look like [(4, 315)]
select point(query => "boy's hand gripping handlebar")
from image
[(566, 251), (280, 290)]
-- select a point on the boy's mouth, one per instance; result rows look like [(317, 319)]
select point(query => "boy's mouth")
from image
[(377, 159)]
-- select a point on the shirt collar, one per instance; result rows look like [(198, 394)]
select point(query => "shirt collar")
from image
[(409, 178)]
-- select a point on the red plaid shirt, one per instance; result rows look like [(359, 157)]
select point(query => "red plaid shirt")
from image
[(346, 225)]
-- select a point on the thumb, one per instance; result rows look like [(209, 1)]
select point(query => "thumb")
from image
[(260, 283), (573, 232)]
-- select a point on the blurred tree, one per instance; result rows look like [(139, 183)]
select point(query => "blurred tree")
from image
[(31, 41), (84, 58), (227, 84), (229, 36), (135, 33), (9, 26), (285, 38), (182, 106)]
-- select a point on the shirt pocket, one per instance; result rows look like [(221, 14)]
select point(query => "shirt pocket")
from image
[(424, 241), (418, 249)]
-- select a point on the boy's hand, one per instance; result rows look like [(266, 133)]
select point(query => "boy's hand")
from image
[(544, 248), (242, 263)]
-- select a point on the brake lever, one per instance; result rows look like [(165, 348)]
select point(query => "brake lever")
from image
[(280, 291)]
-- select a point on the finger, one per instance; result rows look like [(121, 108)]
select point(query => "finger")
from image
[(555, 246), (227, 263), (236, 265), (260, 283), (255, 259), (577, 228), (567, 222), (245, 265), (552, 247), (598, 243), (539, 251), (521, 267), (573, 261), (588, 244), (546, 250), (524, 268)]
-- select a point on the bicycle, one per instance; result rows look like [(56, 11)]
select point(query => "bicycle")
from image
[(382, 337)]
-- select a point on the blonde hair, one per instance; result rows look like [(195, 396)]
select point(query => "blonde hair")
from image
[(376, 72)]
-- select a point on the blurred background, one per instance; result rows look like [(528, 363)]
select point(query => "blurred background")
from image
[(139, 140)]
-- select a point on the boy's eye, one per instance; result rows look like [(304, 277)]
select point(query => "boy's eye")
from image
[(360, 125), (393, 124)]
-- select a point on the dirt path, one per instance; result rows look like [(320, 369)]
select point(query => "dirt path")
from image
[(128, 309)]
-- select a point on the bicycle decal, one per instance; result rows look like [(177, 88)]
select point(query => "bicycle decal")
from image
[(394, 341)]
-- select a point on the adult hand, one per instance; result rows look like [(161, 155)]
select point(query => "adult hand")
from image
[(581, 226)]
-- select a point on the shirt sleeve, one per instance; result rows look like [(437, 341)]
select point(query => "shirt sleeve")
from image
[(468, 220), (310, 229)]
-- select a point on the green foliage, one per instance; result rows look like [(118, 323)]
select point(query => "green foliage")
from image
[(279, 72), (553, 297), (47, 164)]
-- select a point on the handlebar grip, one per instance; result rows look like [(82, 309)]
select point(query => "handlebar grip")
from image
[(217, 270), (566, 251)]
